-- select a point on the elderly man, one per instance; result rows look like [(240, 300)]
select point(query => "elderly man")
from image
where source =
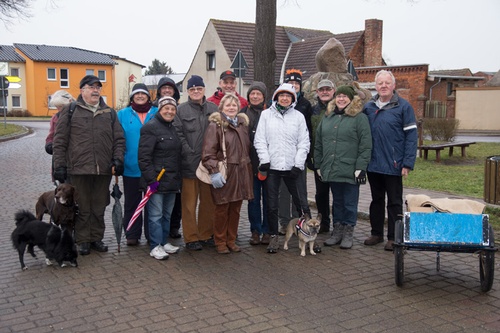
[(190, 122), (89, 146), (394, 133), (325, 92), (227, 84)]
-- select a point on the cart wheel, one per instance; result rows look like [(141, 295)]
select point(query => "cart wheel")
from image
[(398, 232), (487, 265), (399, 266)]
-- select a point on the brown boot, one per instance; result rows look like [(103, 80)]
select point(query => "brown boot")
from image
[(222, 249), (255, 239), (234, 248), (265, 239)]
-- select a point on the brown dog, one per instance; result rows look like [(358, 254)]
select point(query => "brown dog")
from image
[(306, 229), (60, 205)]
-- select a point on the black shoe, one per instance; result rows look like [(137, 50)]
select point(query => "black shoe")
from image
[(208, 242), (99, 246), (194, 246), (174, 233), (324, 229), (84, 249)]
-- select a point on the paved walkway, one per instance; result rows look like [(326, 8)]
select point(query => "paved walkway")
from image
[(252, 291)]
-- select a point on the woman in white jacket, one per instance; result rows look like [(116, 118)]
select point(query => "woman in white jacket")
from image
[(282, 143)]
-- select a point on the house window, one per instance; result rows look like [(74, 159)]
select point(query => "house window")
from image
[(210, 60), (64, 77), (51, 74), (101, 75), (89, 72), (14, 72), (16, 101), (449, 89)]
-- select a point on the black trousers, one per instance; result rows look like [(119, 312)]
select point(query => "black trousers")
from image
[(133, 195), (175, 219), (381, 185), (322, 198)]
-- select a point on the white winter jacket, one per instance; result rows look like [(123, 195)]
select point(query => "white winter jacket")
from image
[(282, 140)]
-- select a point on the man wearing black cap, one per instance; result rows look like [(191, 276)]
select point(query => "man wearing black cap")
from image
[(88, 148), (227, 84)]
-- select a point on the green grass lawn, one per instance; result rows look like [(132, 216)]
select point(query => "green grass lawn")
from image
[(8, 129), (456, 175)]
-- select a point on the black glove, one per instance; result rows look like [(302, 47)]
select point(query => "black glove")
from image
[(264, 167), (361, 177), (310, 164), (295, 172), (118, 167), (48, 148), (61, 174)]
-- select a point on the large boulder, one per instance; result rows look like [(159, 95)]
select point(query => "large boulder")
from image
[(331, 57)]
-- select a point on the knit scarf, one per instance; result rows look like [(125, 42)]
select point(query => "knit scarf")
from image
[(233, 121), (282, 109), (141, 108)]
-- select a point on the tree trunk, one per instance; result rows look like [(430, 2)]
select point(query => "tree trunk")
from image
[(264, 52)]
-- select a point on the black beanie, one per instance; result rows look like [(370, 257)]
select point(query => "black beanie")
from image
[(293, 75), (195, 81)]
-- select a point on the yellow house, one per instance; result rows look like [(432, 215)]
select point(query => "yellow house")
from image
[(44, 69)]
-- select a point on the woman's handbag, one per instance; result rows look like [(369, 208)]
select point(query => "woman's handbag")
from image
[(202, 172)]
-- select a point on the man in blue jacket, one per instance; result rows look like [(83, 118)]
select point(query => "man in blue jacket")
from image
[(394, 134)]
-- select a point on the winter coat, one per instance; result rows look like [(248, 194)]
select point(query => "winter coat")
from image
[(253, 113), (394, 134), (282, 139), (239, 183), (89, 142), (217, 96), (160, 148), (164, 81), (132, 129), (343, 143), (190, 122)]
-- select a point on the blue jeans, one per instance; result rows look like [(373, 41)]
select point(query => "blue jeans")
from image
[(345, 203), (257, 214), (159, 206)]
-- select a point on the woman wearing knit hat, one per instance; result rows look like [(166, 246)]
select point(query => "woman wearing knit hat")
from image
[(342, 151), (257, 208), (282, 143), (138, 112), (160, 148)]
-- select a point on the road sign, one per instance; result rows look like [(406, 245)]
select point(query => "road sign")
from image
[(239, 64), (4, 68), (14, 85), (13, 79)]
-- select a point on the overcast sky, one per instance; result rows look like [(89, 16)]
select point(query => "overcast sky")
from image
[(446, 34)]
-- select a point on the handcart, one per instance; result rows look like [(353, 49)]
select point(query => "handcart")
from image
[(446, 232)]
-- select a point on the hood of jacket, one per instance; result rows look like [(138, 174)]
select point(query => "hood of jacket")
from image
[(168, 81), (217, 118), (355, 107)]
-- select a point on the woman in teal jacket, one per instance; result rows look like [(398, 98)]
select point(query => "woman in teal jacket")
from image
[(139, 111), (342, 151)]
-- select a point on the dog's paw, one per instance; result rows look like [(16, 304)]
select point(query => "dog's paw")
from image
[(302, 254), (285, 247), (25, 268), (63, 265), (313, 253), (48, 262)]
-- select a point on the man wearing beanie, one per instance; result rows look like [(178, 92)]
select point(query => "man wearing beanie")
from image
[(167, 87), (257, 212), (190, 123), (139, 111), (88, 149), (395, 139), (324, 91), (227, 84), (282, 144)]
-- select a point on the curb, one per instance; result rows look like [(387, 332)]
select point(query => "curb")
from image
[(17, 135)]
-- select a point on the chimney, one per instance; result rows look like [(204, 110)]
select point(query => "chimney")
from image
[(373, 43)]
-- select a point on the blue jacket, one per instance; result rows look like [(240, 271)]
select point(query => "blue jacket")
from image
[(132, 125), (394, 135)]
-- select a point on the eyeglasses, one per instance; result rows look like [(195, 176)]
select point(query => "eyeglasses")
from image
[(197, 89), (341, 96), (97, 88)]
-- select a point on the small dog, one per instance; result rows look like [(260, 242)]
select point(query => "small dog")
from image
[(57, 244), (306, 229), (60, 204)]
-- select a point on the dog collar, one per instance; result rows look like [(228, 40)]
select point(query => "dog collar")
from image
[(298, 226)]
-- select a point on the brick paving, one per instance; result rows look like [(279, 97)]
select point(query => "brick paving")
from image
[(252, 291)]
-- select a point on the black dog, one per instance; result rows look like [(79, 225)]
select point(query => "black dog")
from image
[(57, 244), (60, 204)]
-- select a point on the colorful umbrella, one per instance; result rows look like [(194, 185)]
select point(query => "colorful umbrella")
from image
[(117, 213), (143, 202)]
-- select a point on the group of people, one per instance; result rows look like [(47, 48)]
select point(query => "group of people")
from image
[(267, 146)]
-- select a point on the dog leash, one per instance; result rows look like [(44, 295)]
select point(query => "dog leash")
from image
[(298, 226)]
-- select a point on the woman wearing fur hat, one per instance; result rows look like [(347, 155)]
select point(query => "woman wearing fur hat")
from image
[(282, 143), (228, 194), (138, 112), (342, 151), (257, 208)]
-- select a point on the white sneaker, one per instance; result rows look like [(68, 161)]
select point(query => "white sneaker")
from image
[(159, 253), (169, 248)]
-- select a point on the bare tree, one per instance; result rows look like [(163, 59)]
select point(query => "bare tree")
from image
[(264, 51), (10, 9)]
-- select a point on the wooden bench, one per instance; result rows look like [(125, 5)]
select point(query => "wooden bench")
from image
[(440, 146)]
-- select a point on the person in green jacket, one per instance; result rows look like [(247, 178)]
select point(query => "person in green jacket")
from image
[(342, 151)]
